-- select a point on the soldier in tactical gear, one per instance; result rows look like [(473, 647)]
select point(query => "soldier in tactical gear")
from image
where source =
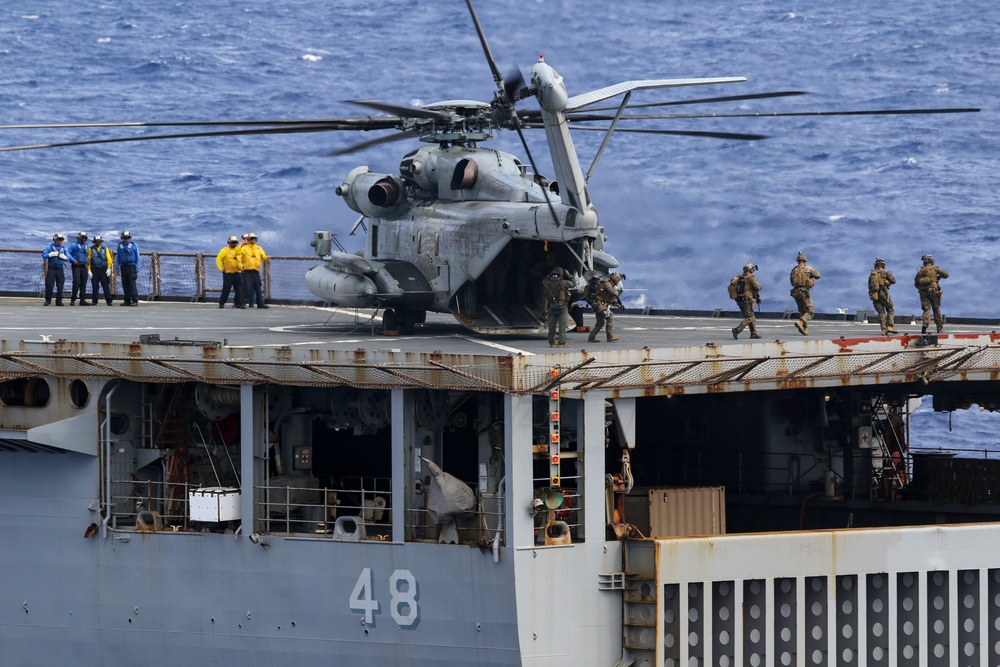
[(803, 278), (746, 291), (555, 289), (879, 281), (927, 283), (602, 295)]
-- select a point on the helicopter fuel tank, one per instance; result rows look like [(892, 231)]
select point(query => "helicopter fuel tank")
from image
[(374, 195)]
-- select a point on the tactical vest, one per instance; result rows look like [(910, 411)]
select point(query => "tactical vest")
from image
[(800, 278)]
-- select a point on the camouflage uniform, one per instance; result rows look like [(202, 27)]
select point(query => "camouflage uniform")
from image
[(601, 298), (803, 277), (879, 281), (747, 297), (927, 283), (555, 289)]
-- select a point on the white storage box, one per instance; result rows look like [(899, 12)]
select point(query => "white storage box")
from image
[(215, 504)]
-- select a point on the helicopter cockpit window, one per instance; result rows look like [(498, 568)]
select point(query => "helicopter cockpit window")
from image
[(465, 174)]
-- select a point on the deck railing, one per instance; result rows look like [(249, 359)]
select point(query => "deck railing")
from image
[(166, 275)]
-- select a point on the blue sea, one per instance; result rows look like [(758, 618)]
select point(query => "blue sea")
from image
[(682, 214)]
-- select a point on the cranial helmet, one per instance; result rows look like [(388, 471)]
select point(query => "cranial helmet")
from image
[(879, 262), (233, 239), (98, 239), (82, 235), (126, 235), (58, 237), (801, 257), (251, 236)]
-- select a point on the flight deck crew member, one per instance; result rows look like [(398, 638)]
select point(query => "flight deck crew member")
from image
[(230, 263), (54, 259), (803, 278), (253, 260), (927, 283), (555, 289), (746, 291), (879, 281), (127, 265), (77, 252), (602, 295), (99, 262)]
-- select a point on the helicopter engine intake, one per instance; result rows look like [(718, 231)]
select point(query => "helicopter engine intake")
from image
[(374, 195)]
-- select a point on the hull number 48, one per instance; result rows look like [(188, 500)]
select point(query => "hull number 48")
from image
[(403, 595)]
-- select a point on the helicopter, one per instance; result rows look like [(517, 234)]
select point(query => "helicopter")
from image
[(462, 228)]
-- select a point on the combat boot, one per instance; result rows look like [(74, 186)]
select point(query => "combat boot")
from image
[(612, 339), (801, 326), (736, 332), (753, 335), (753, 332), (591, 339), (940, 328), (891, 329), (923, 329)]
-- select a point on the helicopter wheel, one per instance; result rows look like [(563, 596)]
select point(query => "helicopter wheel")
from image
[(389, 320), (407, 321)]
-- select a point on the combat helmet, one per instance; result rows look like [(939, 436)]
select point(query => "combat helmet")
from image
[(879, 263), (616, 278), (749, 268), (801, 257), (927, 259)]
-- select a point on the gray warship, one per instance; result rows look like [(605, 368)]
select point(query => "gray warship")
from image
[(299, 486), (285, 488)]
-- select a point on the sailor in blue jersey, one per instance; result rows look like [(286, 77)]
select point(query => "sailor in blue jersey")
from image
[(77, 252), (99, 261), (127, 265), (54, 258)]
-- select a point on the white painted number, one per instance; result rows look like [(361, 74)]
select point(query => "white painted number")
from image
[(404, 598), (402, 605), (361, 596)]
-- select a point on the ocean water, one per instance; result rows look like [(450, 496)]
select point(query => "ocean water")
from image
[(682, 214)]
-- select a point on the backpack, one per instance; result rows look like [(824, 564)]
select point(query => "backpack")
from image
[(800, 278), (737, 287), (555, 290), (593, 288), (927, 277)]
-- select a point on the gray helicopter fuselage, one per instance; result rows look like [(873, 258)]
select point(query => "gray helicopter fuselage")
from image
[(449, 214)]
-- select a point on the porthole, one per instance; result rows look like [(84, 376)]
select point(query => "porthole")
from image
[(25, 392), (79, 393)]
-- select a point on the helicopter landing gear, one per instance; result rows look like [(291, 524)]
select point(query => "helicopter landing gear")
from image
[(389, 321), (404, 320), (407, 320)]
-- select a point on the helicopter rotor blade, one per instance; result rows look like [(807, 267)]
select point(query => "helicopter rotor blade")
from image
[(151, 137), (680, 133), (405, 112), (580, 117), (399, 136), (362, 123), (504, 94), (497, 77), (705, 100)]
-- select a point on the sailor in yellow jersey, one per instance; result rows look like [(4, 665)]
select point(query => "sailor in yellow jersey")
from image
[(230, 263), (253, 260)]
